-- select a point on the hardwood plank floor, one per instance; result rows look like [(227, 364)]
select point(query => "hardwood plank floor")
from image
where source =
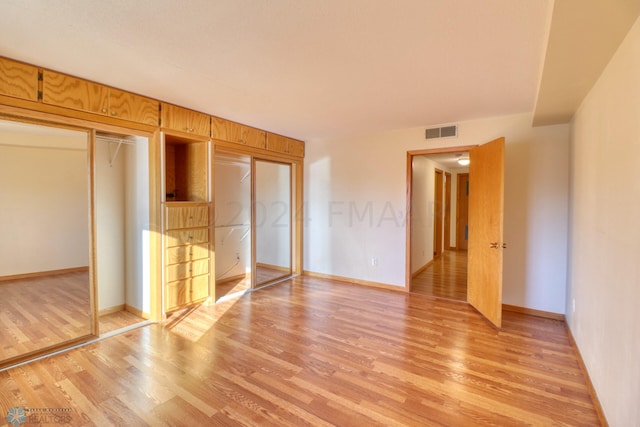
[(120, 319), (445, 278), (42, 311), (317, 352), (229, 287)]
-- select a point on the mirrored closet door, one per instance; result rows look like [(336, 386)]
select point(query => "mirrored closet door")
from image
[(45, 257), (272, 221)]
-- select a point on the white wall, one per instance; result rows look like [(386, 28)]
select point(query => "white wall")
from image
[(233, 215), (137, 250), (44, 200), (604, 276), (355, 192)]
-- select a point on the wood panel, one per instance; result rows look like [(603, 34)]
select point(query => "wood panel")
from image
[(314, 352), (296, 148), (227, 130), (187, 237), (187, 216), (462, 211), (70, 92), (185, 120), (447, 210), (277, 143), (180, 254), (186, 176), (187, 269), (132, 107), (18, 80), (438, 213), (486, 213)]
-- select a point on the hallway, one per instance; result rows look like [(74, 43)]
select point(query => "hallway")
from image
[(446, 277)]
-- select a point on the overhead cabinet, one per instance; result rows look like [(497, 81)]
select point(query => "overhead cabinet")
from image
[(185, 120), (71, 92), (226, 130), (18, 80), (282, 144)]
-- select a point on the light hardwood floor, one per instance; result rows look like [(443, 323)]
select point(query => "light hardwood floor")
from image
[(114, 321), (445, 278), (43, 311), (316, 352)]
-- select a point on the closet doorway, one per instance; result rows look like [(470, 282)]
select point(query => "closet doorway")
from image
[(254, 231), (122, 230)]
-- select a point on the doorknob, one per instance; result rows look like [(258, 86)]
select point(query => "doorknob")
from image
[(496, 245)]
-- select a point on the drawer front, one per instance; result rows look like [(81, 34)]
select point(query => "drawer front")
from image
[(186, 217), (187, 270), (177, 294), (180, 254), (199, 288), (189, 236)]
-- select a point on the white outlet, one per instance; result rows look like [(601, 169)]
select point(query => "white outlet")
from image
[(374, 262), (237, 256)]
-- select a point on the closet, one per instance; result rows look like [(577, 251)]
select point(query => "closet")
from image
[(122, 227)]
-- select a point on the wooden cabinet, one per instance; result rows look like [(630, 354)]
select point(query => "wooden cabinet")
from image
[(184, 120), (226, 130), (186, 169), (71, 92), (187, 254), (135, 108), (18, 80), (282, 144)]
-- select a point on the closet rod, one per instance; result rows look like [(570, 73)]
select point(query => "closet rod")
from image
[(112, 140)]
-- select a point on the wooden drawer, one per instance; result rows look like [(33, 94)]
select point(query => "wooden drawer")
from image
[(199, 288), (187, 270), (186, 217), (18, 80), (179, 254), (187, 236), (184, 292)]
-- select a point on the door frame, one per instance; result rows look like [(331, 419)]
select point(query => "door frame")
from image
[(409, 179)]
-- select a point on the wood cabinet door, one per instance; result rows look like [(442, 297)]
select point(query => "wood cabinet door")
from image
[(254, 137), (277, 143), (185, 120), (226, 130), (296, 148), (135, 108), (18, 80), (70, 92)]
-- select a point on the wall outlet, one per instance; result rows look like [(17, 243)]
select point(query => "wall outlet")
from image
[(573, 305), (374, 262), (237, 256)]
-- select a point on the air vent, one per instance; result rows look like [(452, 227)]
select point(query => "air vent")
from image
[(443, 132)]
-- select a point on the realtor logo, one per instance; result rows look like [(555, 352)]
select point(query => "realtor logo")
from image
[(16, 416)]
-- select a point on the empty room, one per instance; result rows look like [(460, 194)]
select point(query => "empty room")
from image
[(322, 213)]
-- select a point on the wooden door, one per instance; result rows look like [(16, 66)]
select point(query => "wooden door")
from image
[(437, 217), (447, 210), (486, 211), (462, 212)]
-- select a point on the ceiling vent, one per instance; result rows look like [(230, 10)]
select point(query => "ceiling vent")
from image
[(443, 132)]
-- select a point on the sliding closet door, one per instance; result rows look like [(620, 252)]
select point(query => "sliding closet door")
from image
[(45, 250), (272, 213)]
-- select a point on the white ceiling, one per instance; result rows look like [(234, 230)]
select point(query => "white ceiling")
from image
[(309, 69)]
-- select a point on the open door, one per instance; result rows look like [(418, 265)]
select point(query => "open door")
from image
[(486, 211)]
